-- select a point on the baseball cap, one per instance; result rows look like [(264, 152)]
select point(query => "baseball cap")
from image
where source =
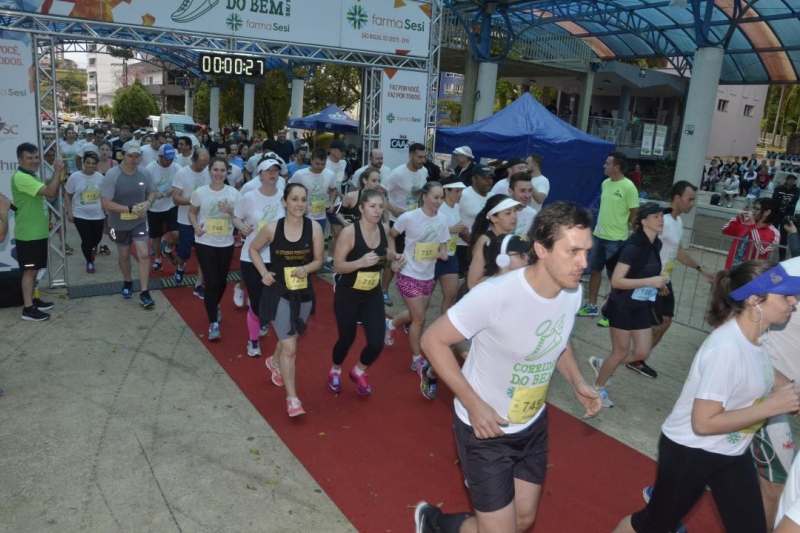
[(339, 144), (132, 148), (167, 151), (464, 150), (650, 208), (483, 171), (775, 281), (268, 164), (88, 131)]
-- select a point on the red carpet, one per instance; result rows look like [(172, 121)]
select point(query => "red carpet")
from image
[(376, 457)]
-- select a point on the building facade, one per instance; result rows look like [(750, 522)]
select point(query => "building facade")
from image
[(736, 125)]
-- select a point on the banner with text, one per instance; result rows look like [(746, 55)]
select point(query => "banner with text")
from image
[(647, 139), (17, 121), (403, 109), (387, 26), (658, 143)]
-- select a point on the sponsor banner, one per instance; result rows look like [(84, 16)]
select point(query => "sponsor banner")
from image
[(647, 139), (658, 143), (390, 26), (403, 108), (17, 123)]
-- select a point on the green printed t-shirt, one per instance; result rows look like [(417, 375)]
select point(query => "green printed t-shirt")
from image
[(32, 221), (617, 198)]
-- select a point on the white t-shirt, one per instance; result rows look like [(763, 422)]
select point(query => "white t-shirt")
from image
[(470, 205), (385, 171), (789, 504), (68, 153), (670, 237), (525, 218), (252, 164), (88, 147), (403, 187), (517, 338), (257, 210), (235, 175), (423, 236), (319, 187), (85, 191), (783, 340), (501, 187), (188, 181), (148, 156), (542, 185), (182, 160), (217, 224), (453, 217), (338, 170), (255, 183), (161, 179), (727, 369)]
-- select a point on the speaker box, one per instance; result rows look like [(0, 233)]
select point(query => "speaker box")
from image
[(11, 288)]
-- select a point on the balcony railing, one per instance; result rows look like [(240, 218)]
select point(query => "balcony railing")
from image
[(628, 134)]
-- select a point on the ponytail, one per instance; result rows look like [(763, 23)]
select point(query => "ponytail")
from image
[(722, 307)]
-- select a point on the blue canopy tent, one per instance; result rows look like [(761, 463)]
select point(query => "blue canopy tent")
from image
[(329, 119), (572, 160)]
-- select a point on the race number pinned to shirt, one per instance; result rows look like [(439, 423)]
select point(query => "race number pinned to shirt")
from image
[(412, 203), (293, 283), (90, 196), (128, 216), (426, 251), (645, 294), (526, 402), (366, 281), (317, 207), (452, 243), (217, 227)]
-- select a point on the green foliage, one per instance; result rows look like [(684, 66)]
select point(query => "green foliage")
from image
[(452, 109), (133, 104), (785, 121), (104, 111), (332, 84)]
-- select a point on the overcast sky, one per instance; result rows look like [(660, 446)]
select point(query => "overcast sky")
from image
[(77, 57)]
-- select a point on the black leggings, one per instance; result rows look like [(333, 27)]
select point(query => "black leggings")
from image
[(682, 476), (91, 233), (252, 280), (215, 262), (348, 313)]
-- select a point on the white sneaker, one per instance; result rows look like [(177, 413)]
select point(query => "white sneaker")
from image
[(238, 295), (253, 351), (596, 363), (604, 397)]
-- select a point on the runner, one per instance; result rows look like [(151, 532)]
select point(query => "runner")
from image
[(257, 209), (520, 324), (369, 179), (163, 214), (498, 217), (211, 217), (362, 252), (447, 271), (336, 163), (187, 180), (319, 182), (731, 389), (296, 249), (84, 208)]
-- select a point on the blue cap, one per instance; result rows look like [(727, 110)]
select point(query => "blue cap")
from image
[(775, 280), (167, 151)]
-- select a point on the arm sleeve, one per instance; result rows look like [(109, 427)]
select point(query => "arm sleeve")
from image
[(733, 227), (195, 199), (69, 186), (544, 188), (476, 311), (718, 374), (632, 197), (27, 184), (240, 209), (109, 183), (628, 254)]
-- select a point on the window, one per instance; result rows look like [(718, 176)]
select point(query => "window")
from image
[(92, 60), (748, 111), (722, 105)]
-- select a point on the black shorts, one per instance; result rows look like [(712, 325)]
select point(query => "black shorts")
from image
[(665, 305), (490, 466), (631, 318), (163, 222), (32, 255), (399, 241)]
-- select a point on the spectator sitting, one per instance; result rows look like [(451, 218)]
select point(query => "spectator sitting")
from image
[(731, 189), (753, 193), (762, 177), (748, 177)]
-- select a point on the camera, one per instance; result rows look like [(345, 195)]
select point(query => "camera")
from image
[(794, 219)]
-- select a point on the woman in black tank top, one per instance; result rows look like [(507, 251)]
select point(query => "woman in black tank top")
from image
[(296, 250), (361, 253), (349, 211)]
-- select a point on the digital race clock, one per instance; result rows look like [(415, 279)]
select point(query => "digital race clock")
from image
[(232, 65)]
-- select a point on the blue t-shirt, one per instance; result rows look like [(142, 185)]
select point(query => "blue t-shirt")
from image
[(294, 167)]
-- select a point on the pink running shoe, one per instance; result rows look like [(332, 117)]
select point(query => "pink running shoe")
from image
[(276, 372), (294, 407), (335, 382), (362, 385)]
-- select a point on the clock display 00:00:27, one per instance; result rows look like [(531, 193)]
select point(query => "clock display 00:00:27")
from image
[(232, 65)]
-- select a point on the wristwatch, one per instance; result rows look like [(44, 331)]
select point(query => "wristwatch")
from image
[(699, 267), (130, 209)]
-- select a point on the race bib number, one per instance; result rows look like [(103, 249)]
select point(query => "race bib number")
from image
[(452, 243), (90, 196), (426, 251), (261, 224), (412, 203), (317, 207), (292, 283), (128, 216), (217, 227), (645, 294), (526, 402), (366, 281)]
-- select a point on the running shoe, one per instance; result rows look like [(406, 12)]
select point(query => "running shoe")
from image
[(170, 255), (157, 267), (424, 515), (588, 310), (427, 384), (386, 300), (294, 407), (33, 314), (335, 382), (127, 290), (237, 241), (264, 330), (178, 276), (68, 250), (253, 350), (596, 363), (238, 295), (199, 291), (604, 397), (416, 363), (276, 372), (388, 336), (42, 306), (327, 267), (104, 250), (405, 328), (362, 384), (90, 268), (146, 301), (213, 332), (603, 323), (152, 253), (642, 368)]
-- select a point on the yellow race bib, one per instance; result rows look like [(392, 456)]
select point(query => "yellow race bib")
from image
[(366, 281), (426, 251), (317, 207), (90, 196), (128, 216), (261, 224), (412, 203), (292, 283), (452, 243), (525, 403), (217, 227)]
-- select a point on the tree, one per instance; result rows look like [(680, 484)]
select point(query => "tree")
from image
[(450, 111), (332, 84), (73, 85), (104, 111), (133, 104)]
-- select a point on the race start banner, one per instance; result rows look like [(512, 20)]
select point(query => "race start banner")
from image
[(18, 122), (403, 108)]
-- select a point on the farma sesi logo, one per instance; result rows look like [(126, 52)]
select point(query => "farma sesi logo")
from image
[(357, 17)]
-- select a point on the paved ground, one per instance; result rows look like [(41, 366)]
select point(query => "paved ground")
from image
[(115, 418)]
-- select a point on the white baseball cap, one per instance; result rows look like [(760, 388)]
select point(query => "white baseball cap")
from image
[(464, 150)]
